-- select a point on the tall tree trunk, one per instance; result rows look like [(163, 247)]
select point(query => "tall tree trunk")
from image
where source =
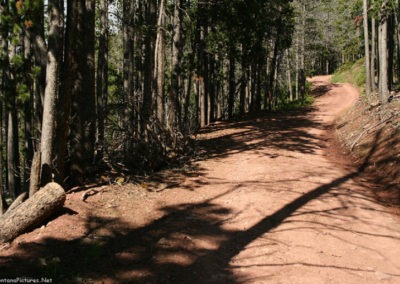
[(302, 77), (81, 87), (2, 204), (201, 67), (243, 85), (366, 48), (39, 53), (212, 88), (391, 49), (383, 54), (289, 75), (3, 87), (232, 86), (274, 67), (13, 164), (297, 79), (102, 79), (128, 73), (373, 54), (159, 65), (173, 98), (12, 145), (54, 60), (147, 105)]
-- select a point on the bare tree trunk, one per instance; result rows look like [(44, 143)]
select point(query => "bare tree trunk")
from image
[(2, 200), (3, 93), (243, 85), (289, 75), (366, 48), (383, 55), (128, 71), (81, 43), (159, 65), (54, 59), (13, 168), (373, 54), (390, 51), (34, 184), (173, 98), (232, 86), (13, 158), (302, 77), (147, 105), (297, 79), (102, 79)]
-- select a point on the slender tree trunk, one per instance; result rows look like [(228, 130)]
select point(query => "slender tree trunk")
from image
[(302, 77), (373, 54), (232, 86), (274, 67), (159, 68), (2, 203), (147, 105), (173, 98), (54, 59), (297, 79), (39, 58), (13, 158), (390, 50), (366, 48), (289, 75), (212, 89), (13, 164), (128, 66), (383, 55), (102, 79), (243, 86), (3, 87)]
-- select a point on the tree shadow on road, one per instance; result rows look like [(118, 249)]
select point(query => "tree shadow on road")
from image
[(176, 247)]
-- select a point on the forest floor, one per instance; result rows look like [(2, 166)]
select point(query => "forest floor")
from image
[(270, 199)]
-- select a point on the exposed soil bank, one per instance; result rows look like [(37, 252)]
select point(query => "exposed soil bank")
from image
[(371, 133)]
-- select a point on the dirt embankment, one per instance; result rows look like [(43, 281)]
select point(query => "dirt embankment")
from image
[(371, 133)]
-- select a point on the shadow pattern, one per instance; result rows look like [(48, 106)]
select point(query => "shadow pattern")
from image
[(148, 254)]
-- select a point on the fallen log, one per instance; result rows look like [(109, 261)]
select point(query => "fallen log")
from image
[(33, 212)]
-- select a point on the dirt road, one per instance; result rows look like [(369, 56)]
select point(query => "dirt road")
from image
[(269, 201)]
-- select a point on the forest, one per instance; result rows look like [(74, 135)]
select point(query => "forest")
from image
[(175, 133), (88, 86)]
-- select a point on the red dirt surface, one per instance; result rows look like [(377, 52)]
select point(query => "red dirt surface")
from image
[(270, 199)]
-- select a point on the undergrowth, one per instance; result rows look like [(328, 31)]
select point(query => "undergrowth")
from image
[(308, 100), (353, 73), (304, 102)]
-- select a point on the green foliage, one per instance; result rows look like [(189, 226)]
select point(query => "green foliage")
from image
[(297, 104), (22, 93), (353, 73)]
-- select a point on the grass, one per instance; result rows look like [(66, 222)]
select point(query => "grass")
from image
[(298, 104), (353, 73)]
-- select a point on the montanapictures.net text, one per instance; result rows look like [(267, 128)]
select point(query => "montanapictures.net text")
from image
[(26, 280)]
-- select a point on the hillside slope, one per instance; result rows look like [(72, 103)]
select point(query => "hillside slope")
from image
[(372, 135)]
